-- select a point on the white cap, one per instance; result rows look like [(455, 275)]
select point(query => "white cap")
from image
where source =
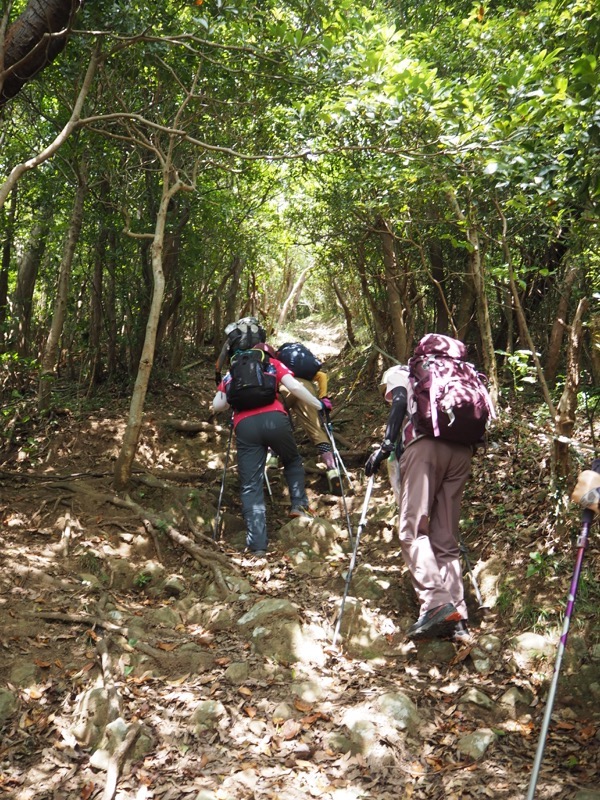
[(391, 378)]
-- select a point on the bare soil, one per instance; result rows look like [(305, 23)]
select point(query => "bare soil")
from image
[(78, 559)]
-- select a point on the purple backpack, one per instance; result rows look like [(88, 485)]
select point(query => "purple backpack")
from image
[(449, 397)]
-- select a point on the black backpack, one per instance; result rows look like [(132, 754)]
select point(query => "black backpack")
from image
[(251, 384), (299, 359), (244, 334)]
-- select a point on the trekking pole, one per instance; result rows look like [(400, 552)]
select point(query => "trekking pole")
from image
[(339, 463), (217, 518), (268, 484), (336, 452), (361, 524), (465, 554), (588, 516)]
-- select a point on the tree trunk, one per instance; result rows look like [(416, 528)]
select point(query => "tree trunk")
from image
[(566, 412), (481, 304), (6, 254), (233, 293), (347, 314), (35, 161), (291, 300), (26, 277), (557, 333), (33, 41), (111, 305), (95, 329), (438, 274), (124, 463), (520, 315), (372, 310), (49, 358), (394, 299)]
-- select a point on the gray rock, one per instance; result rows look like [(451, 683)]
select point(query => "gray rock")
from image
[(477, 698), (25, 674), (209, 714), (282, 712), (514, 698), (474, 745), (8, 705), (266, 611), (237, 672), (400, 709), (531, 647)]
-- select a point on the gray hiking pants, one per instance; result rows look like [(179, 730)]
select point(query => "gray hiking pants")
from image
[(254, 435), (433, 477)]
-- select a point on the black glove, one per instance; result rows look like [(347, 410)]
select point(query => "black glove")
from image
[(377, 456), (217, 377)]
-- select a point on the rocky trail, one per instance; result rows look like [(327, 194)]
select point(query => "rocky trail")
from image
[(141, 659)]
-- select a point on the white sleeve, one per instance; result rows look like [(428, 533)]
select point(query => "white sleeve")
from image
[(219, 402), (301, 392)]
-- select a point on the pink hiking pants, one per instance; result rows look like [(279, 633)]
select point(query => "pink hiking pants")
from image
[(433, 474)]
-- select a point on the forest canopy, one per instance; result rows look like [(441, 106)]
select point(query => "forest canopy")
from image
[(167, 167)]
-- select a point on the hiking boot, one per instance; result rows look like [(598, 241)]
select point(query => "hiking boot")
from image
[(461, 634), (334, 480), (434, 622), (301, 512)]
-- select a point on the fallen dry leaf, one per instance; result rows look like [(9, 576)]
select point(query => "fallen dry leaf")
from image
[(302, 705)]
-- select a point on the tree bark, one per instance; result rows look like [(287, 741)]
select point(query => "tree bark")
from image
[(26, 278), (33, 41), (558, 328), (566, 411), (347, 315), (520, 315), (20, 169), (395, 303), (7, 246), (96, 315), (481, 304), (124, 463), (49, 358), (291, 300)]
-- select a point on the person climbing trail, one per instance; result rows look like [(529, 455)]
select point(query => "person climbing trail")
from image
[(260, 423)]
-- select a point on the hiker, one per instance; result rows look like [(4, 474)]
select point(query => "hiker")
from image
[(433, 474), (260, 422), (306, 368), (240, 335)]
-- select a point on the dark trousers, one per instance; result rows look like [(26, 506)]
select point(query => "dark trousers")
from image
[(254, 435)]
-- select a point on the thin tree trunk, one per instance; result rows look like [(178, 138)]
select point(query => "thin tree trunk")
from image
[(520, 315), (111, 309), (566, 411), (233, 293), (26, 278), (372, 311), (6, 254), (438, 274), (347, 313), (124, 462), (35, 161), (481, 304), (95, 328), (396, 306), (291, 300), (558, 328), (49, 358)]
